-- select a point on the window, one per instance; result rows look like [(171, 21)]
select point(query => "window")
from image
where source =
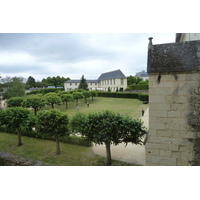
[(71, 84), (122, 81), (110, 81), (114, 81)]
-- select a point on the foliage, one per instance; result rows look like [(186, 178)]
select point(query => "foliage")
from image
[(109, 128), (59, 93), (133, 80), (30, 82), (17, 118), (15, 87), (93, 94), (36, 102), (55, 81), (83, 84), (86, 95), (144, 82), (66, 98), (77, 96), (15, 102), (53, 123), (52, 98), (140, 87), (143, 97)]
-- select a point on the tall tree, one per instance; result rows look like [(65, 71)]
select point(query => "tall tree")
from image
[(108, 128), (83, 84), (53, 123), (30, 82), (15, 87)]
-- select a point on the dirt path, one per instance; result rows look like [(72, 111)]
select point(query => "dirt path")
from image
[(131, 153)]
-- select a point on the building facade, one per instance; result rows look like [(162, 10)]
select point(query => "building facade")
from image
[(113, 81), (174, 108)]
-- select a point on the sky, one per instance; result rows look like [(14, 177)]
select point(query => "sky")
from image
[(75, 54)]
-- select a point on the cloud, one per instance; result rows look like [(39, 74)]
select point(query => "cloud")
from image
[(74, 54)]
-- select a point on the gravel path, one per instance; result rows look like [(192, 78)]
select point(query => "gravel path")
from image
[(131, 153)]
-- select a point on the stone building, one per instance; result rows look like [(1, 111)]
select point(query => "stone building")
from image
[(114, 80), (174, 103)]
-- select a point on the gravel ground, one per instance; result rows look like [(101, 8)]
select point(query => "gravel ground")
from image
[(131, 153)]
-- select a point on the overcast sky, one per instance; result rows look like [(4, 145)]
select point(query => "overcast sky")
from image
[(75, 54)]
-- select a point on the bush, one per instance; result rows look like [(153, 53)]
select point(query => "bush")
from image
[(140, 87), (76, 140), (143, 97)]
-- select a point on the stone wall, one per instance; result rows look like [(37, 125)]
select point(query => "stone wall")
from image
[(7, 159), (174, 105)]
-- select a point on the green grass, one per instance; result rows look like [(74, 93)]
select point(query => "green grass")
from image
[(130, 107), (44, 150)]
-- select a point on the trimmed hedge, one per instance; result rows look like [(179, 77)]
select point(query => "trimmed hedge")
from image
[(46, 90), (139, 87), (118, 95), (143, 97), (77, 140)]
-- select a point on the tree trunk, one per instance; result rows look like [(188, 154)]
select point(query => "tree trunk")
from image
[(108, 153), (77, 102), (57, 146), (52, 106), (66, 105), (19, 138)]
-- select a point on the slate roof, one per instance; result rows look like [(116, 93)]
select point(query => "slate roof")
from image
[(78, 81), (142, 74), (111, 75)]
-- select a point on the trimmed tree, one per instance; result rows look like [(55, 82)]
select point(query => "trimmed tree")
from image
[(66, 98), (53, 123), (35, 102), (86, 95), (17, 118), (93, 94), (109, 128), (83, 84), (52, 98), (15, 102), (77, 96)]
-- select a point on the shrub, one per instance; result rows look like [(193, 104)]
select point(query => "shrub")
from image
[(143, 97)]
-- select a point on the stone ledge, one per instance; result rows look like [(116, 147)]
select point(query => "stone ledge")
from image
[(7, 159)]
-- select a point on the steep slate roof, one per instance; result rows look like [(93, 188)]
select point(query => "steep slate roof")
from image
[(111, 75), (142, 74)]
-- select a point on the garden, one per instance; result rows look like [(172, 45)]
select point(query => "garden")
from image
[(54, 122)]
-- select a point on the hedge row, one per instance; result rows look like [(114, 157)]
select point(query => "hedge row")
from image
[(143, 97), (118, 95), (139, 87), (46, 90), (78, 140)]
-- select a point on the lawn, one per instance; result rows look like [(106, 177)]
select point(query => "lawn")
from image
[(71, 155), (130, 107), (44, 150)]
